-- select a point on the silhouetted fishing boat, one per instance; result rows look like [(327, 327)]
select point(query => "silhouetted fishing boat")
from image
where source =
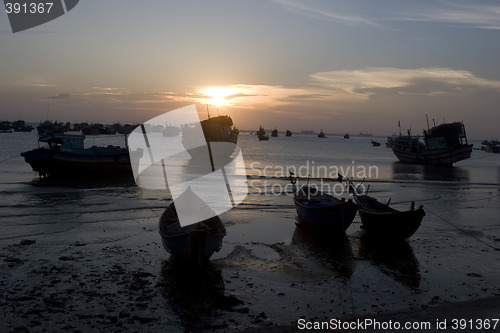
[(65, 156), (375, 143), (320, 210), (215, 129), (321, 134), (261, 134), (274, 133), (196, 241), (390, 141), (444, 144), (383, 221), (288, 133), (346, 136)]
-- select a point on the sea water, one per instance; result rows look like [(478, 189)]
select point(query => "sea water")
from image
[(23, 197)]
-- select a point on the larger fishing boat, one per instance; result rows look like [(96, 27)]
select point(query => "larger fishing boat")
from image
[(66, 157), (443, 144), (216, 130)]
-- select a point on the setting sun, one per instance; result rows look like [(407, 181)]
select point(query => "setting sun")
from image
[(218, 95)]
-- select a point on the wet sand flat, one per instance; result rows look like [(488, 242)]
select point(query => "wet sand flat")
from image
[(112, 273)]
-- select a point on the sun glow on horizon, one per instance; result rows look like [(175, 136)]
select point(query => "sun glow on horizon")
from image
[(218, 95)]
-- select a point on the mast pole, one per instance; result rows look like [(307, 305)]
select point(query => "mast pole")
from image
[(206, 103)]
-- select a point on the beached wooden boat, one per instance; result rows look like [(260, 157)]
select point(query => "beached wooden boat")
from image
[(386, 222), (196, 241), (320, 210)]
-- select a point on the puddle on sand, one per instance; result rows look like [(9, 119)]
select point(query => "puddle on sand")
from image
[(257, 235)]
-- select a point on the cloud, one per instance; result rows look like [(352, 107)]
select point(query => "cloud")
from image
[(33, 82), (60, 96), (475, 14), (305, 8), (362, 84)]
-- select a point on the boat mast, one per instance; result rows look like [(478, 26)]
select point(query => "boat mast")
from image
[(206, 103)]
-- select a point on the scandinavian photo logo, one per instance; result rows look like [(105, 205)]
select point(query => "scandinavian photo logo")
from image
[(27, 14), (205, 178)]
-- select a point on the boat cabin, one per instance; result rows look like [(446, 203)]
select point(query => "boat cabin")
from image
[(65, 142)]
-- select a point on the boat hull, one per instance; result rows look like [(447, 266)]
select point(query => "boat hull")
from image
[(437, 156), (398, 225), (53, 163), (336, 215), (198, 241)]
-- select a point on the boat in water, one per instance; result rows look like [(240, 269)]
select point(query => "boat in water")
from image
[(375, 143), (443, 144), (492, 146), (66, 157), (346, 136), (48, 128), (321, 134), (261, 134), (390, 141), (322, 211), (215, 129), (197, 241), (383, 221), (274, 133), (288, 133)]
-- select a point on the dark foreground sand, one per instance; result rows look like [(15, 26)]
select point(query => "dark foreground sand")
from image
[(114, 276)]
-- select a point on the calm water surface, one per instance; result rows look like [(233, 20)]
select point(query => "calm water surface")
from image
[(26, 201)]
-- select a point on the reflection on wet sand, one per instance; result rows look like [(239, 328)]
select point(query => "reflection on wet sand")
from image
[(336, 253), (195, 294), (405, 171), (395, 259)]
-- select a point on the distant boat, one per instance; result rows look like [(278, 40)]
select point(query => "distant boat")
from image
[(20, 126), (492, 146), (196, 241), (321, 134), (288, 133), (48, 128), (382, 221), (375, 143), (307, 132), (365, 134), (318, 210), (346, 136), (274, 133), (261, 134), (66, 157), (390, 142), (444, 144), (6, 127), (170, 131)]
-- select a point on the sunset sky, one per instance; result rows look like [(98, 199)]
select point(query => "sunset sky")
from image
[(344, 66)]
